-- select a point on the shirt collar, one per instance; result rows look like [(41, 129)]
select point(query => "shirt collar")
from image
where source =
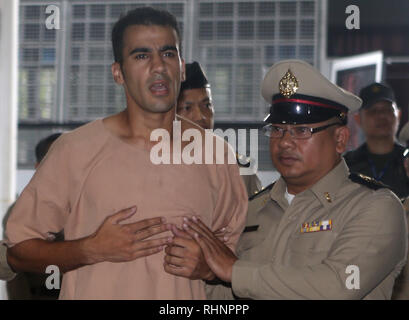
[(277, 193), (328, 187), (325, 190)]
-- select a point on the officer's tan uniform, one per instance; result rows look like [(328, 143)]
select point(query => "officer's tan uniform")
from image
[(5, 272), (279, 261), (252, 183)]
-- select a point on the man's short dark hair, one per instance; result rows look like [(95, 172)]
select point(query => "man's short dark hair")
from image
[(145, 16), (45, 144)]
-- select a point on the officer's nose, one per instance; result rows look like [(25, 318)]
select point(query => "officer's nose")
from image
[(286, 140)]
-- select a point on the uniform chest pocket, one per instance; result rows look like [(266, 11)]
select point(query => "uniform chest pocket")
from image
[(310, 249), (312, 242)]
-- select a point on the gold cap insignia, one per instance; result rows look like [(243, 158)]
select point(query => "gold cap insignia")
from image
[(288, 84)]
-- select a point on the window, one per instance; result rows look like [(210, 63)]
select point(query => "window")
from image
[(235, 42)]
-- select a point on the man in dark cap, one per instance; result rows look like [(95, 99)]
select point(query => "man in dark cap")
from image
[(195, 97), (195, 103), (380, 157), (318, 232)]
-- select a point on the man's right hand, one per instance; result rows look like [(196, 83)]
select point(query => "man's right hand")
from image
[(116, 242)]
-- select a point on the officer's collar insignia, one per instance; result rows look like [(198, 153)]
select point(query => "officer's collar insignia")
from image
[(328, 197), (324, 225), (288, 84)]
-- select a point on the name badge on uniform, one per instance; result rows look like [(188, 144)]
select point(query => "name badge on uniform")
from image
[(324, 225)]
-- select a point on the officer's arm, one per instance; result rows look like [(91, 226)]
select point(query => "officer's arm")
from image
[(374, 240)]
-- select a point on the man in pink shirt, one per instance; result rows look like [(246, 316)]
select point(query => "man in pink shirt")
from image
[(91, 174)]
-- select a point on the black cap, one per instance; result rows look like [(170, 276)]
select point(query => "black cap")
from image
[(374, 93), (195, 77)]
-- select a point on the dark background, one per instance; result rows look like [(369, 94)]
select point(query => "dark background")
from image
[(384, 25)]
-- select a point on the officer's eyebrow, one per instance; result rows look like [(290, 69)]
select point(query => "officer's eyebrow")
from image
[(168, 47)]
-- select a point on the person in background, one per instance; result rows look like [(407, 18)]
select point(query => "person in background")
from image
[(196, 104), (28, 285), (380, 157), (404, 140), (401, 288)]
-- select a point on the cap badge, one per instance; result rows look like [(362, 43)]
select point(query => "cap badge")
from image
[(288, 84)]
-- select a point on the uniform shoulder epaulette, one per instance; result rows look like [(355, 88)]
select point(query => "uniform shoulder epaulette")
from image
[(260, 192), (367, 181)]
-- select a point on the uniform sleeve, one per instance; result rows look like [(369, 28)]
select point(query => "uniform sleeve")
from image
[(5, 272), (374, 240), (43, 206), (218, 292)]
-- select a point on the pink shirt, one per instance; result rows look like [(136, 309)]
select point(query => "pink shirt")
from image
[(90, 174)]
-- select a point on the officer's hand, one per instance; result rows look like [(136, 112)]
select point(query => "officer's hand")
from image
[(117, 242), (185, 258), (218, 256)]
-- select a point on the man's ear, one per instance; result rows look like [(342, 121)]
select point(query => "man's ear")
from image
[(117, 73), (341, 138)]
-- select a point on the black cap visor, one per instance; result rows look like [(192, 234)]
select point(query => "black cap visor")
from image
[(302, 109)]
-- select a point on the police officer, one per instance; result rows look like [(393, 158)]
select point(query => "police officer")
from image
[(380, 157), (195, 103), (319, 232)]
